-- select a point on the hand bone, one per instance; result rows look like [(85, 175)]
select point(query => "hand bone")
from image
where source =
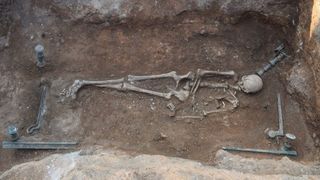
[(233, 100)]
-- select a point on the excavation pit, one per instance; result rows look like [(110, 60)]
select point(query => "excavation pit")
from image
[(103, 41)]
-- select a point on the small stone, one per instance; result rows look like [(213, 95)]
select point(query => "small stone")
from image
[(266, 106), (314, 124), (317, 142), (152, 107), (314, 135), (160, 137), (172, 113), (189, 121), (203, 32)]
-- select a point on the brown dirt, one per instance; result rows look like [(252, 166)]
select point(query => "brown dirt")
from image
[(132, 121)]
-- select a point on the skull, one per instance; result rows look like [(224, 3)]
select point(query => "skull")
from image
[(251, 83)]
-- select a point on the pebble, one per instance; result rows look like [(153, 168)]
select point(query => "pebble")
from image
[(160, 137), (171, 113), (317, 142), (314, 135)]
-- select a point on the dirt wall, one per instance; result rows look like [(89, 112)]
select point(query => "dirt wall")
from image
[(308, 52), (121, 11), (313, 47)]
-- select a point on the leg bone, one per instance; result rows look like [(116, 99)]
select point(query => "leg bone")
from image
[(74, 88), (127, 86), (217, 85), (202, 73), (181, 94), (172, 74)]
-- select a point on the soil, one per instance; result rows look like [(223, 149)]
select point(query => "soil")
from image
[(131, 121)]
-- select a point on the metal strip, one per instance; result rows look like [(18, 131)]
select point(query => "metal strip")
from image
[(280, 116), (265, 151), (37, 145)]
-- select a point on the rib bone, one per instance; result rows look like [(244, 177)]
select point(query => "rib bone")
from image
[(196, 83), (172, 74)]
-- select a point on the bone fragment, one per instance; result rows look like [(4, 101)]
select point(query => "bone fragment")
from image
[(171, 107), (189, 117), (233, 100), (206, 113)]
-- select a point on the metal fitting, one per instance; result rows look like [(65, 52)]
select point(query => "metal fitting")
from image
[(12, 132), (280, 54), (289, 138), (39, 49)]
